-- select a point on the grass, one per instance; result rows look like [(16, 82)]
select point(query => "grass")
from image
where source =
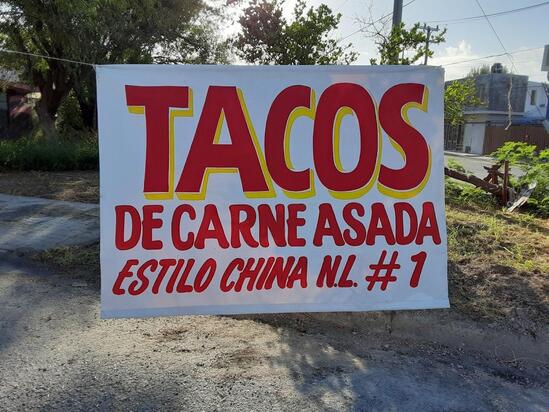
[(503, 238), (42, 155), (498, 267), (79, 261), (68, 257)]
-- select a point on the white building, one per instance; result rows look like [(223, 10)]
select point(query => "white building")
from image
[(487, 126), (535, 106), (476, 122)]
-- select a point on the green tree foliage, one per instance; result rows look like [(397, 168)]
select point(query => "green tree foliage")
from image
[(517, 153), (268, 38), (455, 165), (402, 46), (459, 95), (535, 165), (99, 32)]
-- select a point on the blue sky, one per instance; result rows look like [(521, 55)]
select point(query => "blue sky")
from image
[(469, 40)]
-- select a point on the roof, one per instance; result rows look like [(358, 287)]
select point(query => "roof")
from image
[(7, 75), (10, 79)]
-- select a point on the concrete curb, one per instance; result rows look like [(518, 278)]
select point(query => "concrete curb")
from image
[(449, 329)]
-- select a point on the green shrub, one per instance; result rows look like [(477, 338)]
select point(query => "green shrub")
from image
[(517, 153), (41, 155), (474, 195), (452, 189), (455, 165), (467, 195), (69, 116), (536, 169)]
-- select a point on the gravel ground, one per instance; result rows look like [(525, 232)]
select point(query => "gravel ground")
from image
[(56, 354)]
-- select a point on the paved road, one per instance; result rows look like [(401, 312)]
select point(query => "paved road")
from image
[(474, 164), (39, 224)]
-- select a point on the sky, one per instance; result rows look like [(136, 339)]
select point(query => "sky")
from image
[(465, 40)]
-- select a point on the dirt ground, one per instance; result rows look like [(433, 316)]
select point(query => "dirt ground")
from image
[(56, 354), (75, 186), (498, 262)]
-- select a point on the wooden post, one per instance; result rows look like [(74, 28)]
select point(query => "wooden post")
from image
[(477, 181), (504, 196)]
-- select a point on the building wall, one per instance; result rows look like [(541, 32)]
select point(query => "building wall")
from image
[(473, 138), (493, 89), (15, 113), (535, 106)]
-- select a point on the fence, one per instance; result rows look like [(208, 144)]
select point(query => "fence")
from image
[(453, 137), (496, 136)]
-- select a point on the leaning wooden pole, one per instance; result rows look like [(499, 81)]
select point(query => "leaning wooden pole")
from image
[(472, 179)]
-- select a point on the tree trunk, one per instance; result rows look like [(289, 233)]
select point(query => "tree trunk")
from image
[(85, 92), (46, 120), (88, 111), (54, 87)]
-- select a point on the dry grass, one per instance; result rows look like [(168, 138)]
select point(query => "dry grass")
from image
[(78, 186), (77, 261), (499, 266)]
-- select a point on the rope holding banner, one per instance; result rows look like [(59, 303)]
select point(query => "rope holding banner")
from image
[(47, 57)]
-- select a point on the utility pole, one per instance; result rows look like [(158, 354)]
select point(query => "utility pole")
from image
[(428, 29), (397, 20), (397, 13)]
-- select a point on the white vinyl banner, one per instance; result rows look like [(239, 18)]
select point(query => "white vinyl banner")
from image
[(231, 189)]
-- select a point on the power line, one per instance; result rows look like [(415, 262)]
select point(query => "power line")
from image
[(492, 55), (372, 23), (446, 64), (509, 105), (482, 16), (338, 8), (497, 35)]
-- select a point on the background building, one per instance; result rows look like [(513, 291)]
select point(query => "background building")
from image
[(511, 109), (16, 103)]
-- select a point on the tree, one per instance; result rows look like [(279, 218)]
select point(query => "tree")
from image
[(95, 31), (459, 95), (535, 166), (401, 46), (180, 32), (484, 69), (268, 38)]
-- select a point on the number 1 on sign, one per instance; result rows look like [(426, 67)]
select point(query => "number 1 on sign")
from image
[(419, 260)]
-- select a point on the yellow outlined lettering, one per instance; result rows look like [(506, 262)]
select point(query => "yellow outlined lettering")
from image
[(354, 194), (309, 112), (188, 112), (407, 194), (201, 195)]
